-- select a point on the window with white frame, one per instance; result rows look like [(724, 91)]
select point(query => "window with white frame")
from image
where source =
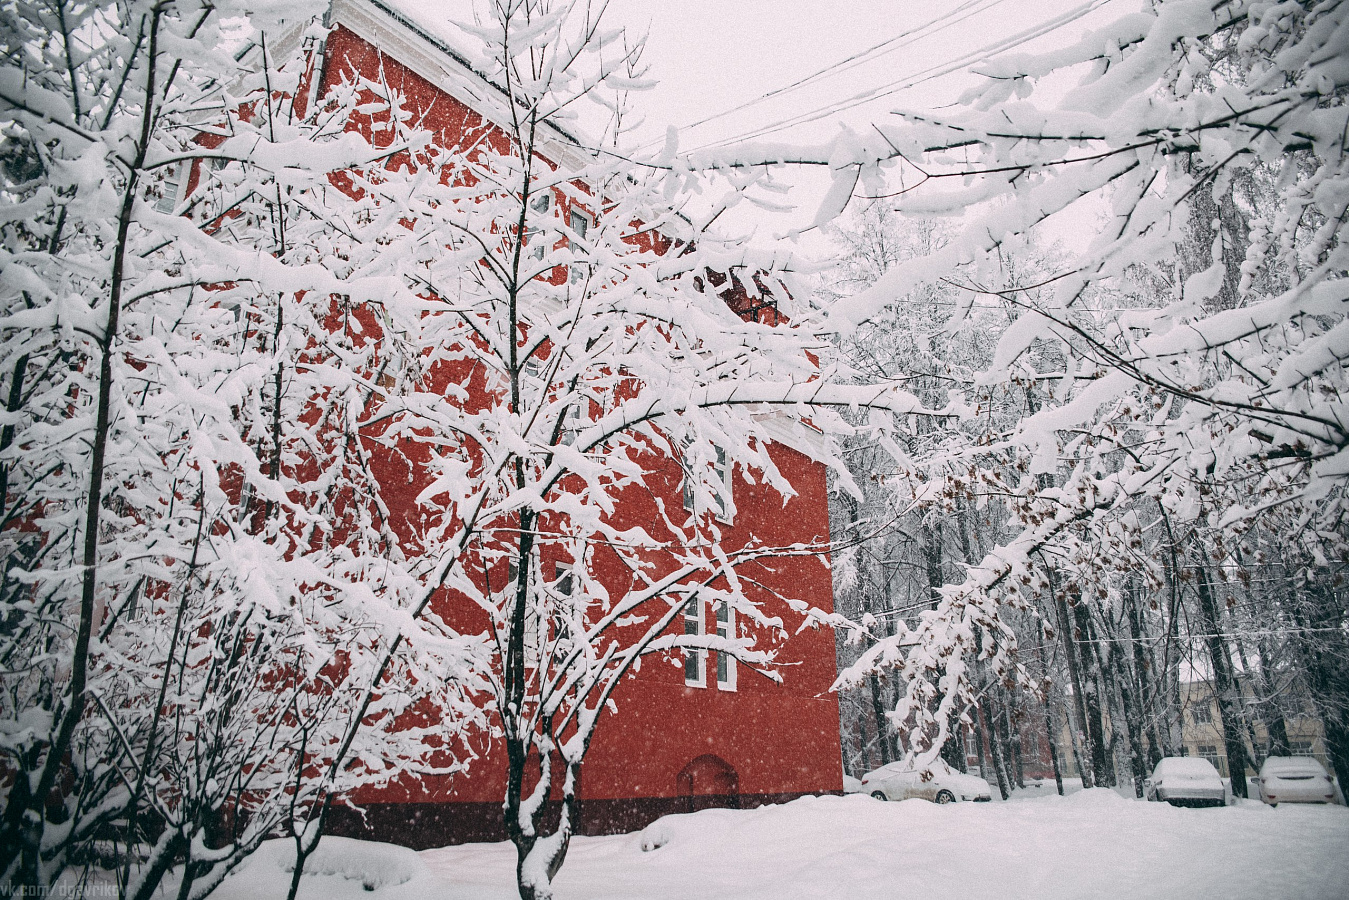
[(533, 243), (580, 224), (693, 658), (571, 423), (534, 238), (564, 583), (725, 662), (721, 484), (171, 187), (531, 618)]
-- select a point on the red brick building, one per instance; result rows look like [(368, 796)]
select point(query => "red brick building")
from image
[(709, 733)]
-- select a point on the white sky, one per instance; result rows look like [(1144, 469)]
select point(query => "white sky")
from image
[(715, 60), (710, 57)]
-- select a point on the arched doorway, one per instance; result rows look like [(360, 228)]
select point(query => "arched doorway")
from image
[(709, 782)]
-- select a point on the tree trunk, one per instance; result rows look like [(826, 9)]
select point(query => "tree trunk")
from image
[(1275, 723), (1142, 673), (1137, 762), (1079, 728), (1014, 739), (1103, 772), (1322, 650), (1227, 689), (878, 710), (995, 749), (979, 742), (1051, 739)]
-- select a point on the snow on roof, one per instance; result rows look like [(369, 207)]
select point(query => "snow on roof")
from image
[(439, 21), (427, 38)]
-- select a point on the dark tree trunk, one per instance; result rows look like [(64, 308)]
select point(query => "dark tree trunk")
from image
[(1103, 772), (1142, 674), (1274, 720), (995, 749), (1013, 717), (1066, 630), (1050, 738), (1137, 762), (979, 742), (878, 710), (1323, 650), (953, 751), (1227, 689)]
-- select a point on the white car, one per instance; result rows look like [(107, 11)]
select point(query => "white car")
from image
[(1295, 779), (1186, 781), (900, 781)]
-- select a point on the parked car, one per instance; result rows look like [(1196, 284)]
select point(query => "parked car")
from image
[(1295, 779), (900, 781), (1186, 781)]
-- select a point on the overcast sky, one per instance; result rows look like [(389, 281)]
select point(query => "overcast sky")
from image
[(712, 57), (796, 70)]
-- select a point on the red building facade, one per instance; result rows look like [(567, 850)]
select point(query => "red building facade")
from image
[(690, 732)]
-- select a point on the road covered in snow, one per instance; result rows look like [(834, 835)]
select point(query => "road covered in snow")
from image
[(1089, 844)]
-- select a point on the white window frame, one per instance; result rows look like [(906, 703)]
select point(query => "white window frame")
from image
[(695, 658), (172, 187), (534, 237), (580, 224), (531, 622), (571, 423), (721, 500), (725, 666)]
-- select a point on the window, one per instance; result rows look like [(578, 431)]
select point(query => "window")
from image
[(563, 581), (531, 616), (721, 485), (171, 188), (1210, 753), (1202, 714), (571, 424), (534, 236), (580, 224), (693, 659), (725, 662), (1300, 748), (534, 241)]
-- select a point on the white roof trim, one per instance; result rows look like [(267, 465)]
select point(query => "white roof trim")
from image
[(391, 33)]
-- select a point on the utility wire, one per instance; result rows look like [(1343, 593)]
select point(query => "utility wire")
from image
[(876, 51), (913, 80)]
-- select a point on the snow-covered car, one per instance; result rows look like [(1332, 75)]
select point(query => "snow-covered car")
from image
[(1295, 779), (900, 781), (1186, 781)]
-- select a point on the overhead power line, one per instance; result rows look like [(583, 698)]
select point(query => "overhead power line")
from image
[(938, 23), (912, 80)]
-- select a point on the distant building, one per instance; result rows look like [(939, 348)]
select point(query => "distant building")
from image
[(1201, 731)]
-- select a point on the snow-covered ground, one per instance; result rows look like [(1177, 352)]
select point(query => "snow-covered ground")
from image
[(1088, 844)]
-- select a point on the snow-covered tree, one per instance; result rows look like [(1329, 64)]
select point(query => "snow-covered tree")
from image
[(586, 346), (1210, 138), (202, 606)]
